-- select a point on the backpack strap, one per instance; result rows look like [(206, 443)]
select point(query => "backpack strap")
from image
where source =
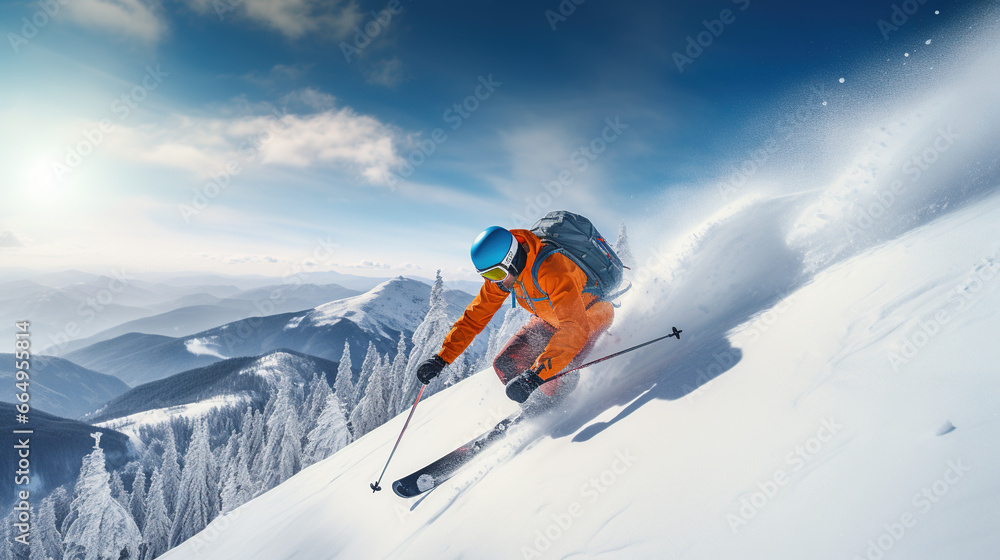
[(545, 252)]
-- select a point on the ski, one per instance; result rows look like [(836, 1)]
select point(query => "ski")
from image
[(441, 470)]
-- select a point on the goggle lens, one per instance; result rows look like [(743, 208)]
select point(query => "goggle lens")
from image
[(496, 274)]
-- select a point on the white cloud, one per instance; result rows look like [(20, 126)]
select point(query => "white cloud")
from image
[(280, 75), (251, 259), (339, 139), (310, 98), (132, 18), (10, 239), (203, 347), (367, 264), (537, 155), (388, 73), (293, 18), (235, 259)]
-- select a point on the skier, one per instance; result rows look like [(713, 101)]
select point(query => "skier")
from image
[(566, 319)]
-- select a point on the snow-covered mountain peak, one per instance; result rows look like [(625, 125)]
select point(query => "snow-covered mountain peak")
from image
[(397, 304), (275, 366)]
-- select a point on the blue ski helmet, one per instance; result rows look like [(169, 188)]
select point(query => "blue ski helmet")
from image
[(496, 247)]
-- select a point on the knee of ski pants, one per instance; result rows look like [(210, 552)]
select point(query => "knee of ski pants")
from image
[(522, 349)]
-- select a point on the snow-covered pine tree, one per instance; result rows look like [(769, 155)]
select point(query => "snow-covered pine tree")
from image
[(227, 458), (307, 399), (623, 249), (367, 368), (118, 489), (151, 458), (99, 526), (427, 339), (198, 496), (253, 442), (397, 376), (282, 455), (238, 486), (318, 393), (36, 550), (252, 439), (156, 534), (290, 459), (343, 385), (388, 389), (330, 434), (171, 471), (371, 411), (46, 532), (61, 500), (137, 499), (6, 550)]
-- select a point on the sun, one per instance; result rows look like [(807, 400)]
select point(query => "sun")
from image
[(43, 182)]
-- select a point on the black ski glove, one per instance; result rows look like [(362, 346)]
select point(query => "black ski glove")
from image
[(430, 369), (521, 387)]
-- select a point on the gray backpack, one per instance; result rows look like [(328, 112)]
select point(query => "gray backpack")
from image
[(576, 237)]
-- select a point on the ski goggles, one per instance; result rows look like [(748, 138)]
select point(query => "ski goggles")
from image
[(499, 271), (496, 274)]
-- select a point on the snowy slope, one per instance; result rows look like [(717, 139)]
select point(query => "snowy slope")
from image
[(807, 446), (132, 424)]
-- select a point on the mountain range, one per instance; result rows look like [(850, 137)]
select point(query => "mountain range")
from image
[(63, 388), (235, 382), (378, 316)]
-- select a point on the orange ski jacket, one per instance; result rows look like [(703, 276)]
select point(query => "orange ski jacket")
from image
[(575, 315)]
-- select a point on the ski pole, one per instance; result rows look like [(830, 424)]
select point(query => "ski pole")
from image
[(375, 485), (676, 333)]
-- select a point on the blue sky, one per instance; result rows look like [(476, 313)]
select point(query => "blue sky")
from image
[(235, 136)]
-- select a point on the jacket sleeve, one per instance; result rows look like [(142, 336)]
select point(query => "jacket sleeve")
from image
[(563, 281), (489, 300)]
